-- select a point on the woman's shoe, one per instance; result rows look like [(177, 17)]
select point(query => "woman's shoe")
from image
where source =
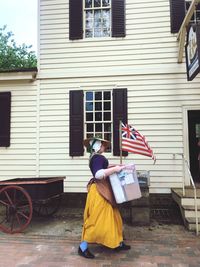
[(86, 254), (123, 246)]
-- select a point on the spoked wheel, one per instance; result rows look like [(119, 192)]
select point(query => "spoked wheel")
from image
[(48, 207), (15, 209)]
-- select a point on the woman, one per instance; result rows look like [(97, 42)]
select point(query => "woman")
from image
[(102, 220)]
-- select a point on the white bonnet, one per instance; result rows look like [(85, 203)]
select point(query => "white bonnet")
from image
[(95, 145)]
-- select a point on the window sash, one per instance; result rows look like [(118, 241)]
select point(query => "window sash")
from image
[(103, 133), (103, 31)]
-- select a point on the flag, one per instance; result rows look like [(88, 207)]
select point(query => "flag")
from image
[(134, 142)]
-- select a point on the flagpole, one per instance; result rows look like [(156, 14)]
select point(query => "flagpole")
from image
[(120, 140)]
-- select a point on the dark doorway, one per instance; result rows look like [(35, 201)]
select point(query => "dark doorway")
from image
[(194, 136)]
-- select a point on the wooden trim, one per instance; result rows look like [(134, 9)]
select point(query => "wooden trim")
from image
[(34, 180), (18, 76)]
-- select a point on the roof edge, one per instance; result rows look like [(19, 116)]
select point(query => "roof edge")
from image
[(20, 70)]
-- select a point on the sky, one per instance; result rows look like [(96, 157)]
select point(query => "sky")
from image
[(20, 16)]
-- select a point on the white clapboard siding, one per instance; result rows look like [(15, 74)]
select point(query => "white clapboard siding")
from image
[(19, 160), (161, 124), (148, 34), (144, 62)]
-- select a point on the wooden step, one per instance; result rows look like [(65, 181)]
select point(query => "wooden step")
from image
[(187, 207), (191, 213), (190, 223), (189, 192), (188, 199)]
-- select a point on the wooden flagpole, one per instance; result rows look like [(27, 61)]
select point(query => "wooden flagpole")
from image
[(120, 140)]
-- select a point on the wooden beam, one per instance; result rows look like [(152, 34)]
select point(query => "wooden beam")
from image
[(181, 45), (182, 31)]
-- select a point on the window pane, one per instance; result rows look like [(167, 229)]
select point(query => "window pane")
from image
[(89, 106), (107, 106), (106, 2), (99, 135), (98, 116), (89, 20), (90, 127), (107, 116), (97, 3), (198, 12), (97, 18), (97, 32), (89, 116), (88, 3), (90, 135), (107, 136), (98, 106), (106, 33), (98, 96), (88, 33), (106, 95), (89, 15), (98, 127), (106, 19), (89, 25), (89, 96), (107, 127)]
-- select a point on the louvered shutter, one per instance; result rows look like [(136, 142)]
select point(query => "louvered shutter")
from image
[(5, 109), (177, 14), (75, 19), (118, 18), (76, 123), (119, 113)]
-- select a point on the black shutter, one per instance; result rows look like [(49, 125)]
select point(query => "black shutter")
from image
[(177, 14), (118, 18), (119, 113), (76, 123), (75, 19), (5, 108)]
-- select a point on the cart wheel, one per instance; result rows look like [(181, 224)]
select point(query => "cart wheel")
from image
[(15, 209), (48, 207)]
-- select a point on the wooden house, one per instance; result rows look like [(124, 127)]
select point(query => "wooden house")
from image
[(100, 61)]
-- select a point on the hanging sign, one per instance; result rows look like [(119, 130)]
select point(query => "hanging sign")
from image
[(192, 51)]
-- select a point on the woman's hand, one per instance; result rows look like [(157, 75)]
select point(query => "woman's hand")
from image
[(112, 170), (118, 168)]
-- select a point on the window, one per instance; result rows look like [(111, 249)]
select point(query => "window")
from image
[(97, 18), (178, 9), (196, 16), (98, 114)]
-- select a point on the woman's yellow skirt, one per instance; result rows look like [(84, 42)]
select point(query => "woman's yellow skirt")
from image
[(102, 222)]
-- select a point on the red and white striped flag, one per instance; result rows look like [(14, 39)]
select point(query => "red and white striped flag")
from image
[(134, 142)]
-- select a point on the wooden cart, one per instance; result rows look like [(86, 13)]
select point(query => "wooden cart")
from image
[(19, 197)]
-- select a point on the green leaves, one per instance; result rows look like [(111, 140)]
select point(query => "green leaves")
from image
[(12, 56)]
